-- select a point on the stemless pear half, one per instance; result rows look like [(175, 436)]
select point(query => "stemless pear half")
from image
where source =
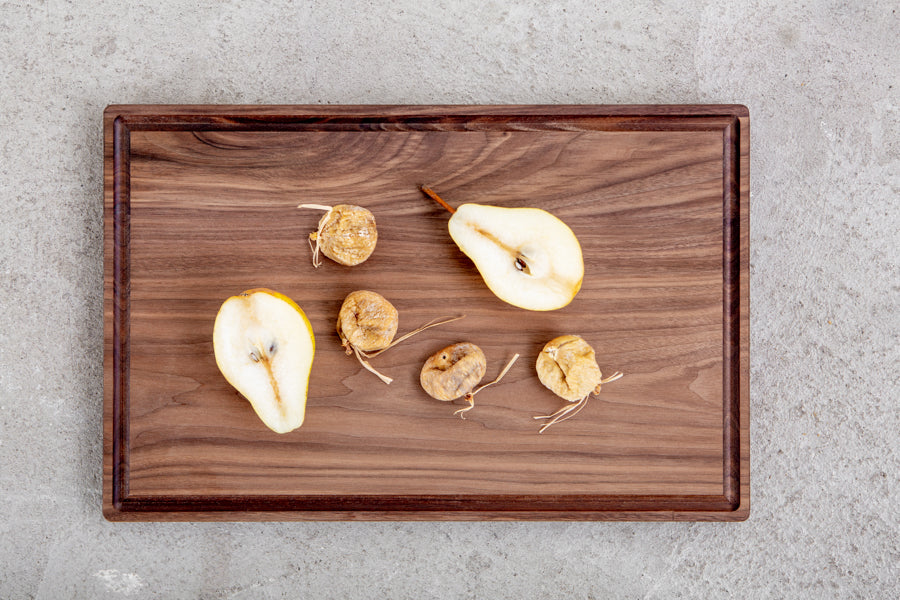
[(264, 346), (526, 256)]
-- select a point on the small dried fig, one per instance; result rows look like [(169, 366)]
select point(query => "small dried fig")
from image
[(453, 372), (346, 234), (567, 366), (367, 322)]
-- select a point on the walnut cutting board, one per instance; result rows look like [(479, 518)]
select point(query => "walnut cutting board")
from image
[(200, 204)]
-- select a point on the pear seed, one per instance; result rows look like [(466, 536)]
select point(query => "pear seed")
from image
[(521, 265)]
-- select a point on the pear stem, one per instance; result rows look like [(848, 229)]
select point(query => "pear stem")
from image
[(433, 195)]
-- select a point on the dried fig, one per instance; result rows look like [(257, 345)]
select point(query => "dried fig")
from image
[(454, 371), (346, 234), (367, 324), (567, 366)]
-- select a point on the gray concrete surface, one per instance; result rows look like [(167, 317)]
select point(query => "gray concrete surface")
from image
[(821, 80)]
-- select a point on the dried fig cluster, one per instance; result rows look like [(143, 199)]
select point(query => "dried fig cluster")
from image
[(346, 234), (567, 366), (531, 277)]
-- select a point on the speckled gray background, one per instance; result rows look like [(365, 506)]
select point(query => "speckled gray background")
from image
[(821, 81)]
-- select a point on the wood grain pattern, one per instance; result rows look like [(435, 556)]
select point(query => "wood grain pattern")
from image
[(200, 205)]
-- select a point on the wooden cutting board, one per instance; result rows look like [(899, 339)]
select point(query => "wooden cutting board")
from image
[(200, 204)]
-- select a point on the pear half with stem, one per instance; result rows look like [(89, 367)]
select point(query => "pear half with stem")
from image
[(264, 346), (526, 256)]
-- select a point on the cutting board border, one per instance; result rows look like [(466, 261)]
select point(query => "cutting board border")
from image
[(733, 122)]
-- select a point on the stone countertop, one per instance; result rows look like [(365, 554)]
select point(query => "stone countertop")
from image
[(821, 82)]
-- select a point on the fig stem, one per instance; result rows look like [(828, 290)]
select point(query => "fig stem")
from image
[(433, 195), (567, 412), (315, 206), (462, 412), (370, 368), (316, 260), (470, 397), (563, 414), (505, 370), (613, 377), (429, 324)]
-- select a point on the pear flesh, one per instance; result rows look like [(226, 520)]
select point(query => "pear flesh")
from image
[(526, 256), (264, 346)]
